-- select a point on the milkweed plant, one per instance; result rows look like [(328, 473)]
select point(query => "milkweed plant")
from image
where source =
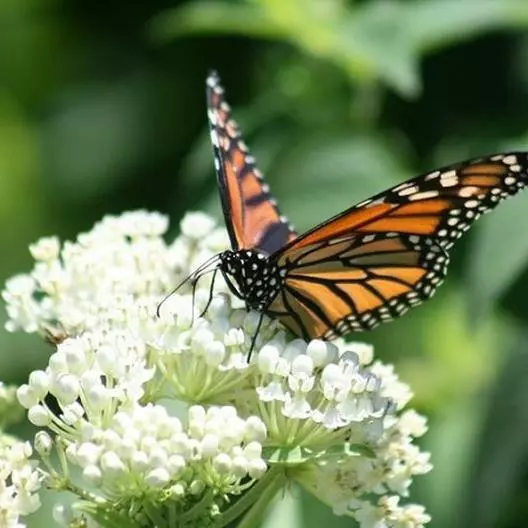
[(157, 419)]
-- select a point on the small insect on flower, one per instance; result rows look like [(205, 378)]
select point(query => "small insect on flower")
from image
[(54, 336), (368, 264)]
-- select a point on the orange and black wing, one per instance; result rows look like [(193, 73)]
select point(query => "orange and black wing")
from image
[(251, 214), (386, 254)]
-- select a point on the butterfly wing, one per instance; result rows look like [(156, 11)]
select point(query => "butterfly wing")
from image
[(251, 214), (375, 260)]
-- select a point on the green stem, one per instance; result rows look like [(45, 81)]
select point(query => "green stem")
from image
[(197, 509), (63, 460), (256, 500), (154, 515)]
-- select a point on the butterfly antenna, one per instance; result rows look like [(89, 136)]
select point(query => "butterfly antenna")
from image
[(172, 292), (194, 277)]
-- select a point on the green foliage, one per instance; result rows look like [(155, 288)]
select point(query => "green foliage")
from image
[(297, 455), (378, 40), (102, 110), (501, 449), (498, 256)]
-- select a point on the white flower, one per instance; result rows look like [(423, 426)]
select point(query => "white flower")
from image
[(19, 484), (144, 450), (388, 514), (123, 360), (46, 249), (197, 225)]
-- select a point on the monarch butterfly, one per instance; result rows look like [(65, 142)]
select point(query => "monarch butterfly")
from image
[(368, 264)]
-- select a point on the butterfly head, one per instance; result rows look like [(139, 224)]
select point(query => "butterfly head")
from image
[(251, 276)]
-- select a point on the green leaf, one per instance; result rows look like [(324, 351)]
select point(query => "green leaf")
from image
[(299, 455), (500, 461), (288, 455), (215, 18), (379, 40), (285, 512), (315, 514), (451, 441), (347, 449), (433, 24), (366, 43), (374, 39), (322, 174), (499, 254)]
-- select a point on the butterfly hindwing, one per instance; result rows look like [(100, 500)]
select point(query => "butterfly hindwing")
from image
[(252, 217), (350, 285)]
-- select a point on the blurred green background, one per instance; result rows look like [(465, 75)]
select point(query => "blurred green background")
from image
[(102, 110)]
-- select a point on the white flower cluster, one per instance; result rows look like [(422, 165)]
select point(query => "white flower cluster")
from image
[(19, 484), (93, 375), (388, 474), (145, 448), (323, 408), (121, 263)]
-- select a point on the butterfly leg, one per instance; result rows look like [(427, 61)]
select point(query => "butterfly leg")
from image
[(255, 335), (211, 288), (193, 294)]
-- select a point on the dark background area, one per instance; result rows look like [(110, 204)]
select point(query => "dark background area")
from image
[(102, 110)]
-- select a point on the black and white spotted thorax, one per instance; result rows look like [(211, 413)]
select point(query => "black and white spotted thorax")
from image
[(257, 280)]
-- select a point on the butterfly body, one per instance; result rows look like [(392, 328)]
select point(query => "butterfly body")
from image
[(364, 266), (252, 277)]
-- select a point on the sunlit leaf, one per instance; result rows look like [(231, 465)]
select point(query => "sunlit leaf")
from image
[(432, 24), (368, 43), (285, 511), (375, 38), (215, 17), (298, 454), (287, 455)]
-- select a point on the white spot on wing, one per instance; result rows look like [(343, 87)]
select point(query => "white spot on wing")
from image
[(467, 191), (510, 160), (432, 176), (449, 178), (423, 195), (408, 190), (214, 138)]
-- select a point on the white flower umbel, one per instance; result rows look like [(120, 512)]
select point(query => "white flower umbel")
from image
[(20, 483), (322, 414)]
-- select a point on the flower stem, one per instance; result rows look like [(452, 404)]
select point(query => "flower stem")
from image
[(198, 508), (256, 501)]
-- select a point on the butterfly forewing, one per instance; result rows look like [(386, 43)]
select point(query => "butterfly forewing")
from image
[(442, 204), (251, 214), (377, 259)]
